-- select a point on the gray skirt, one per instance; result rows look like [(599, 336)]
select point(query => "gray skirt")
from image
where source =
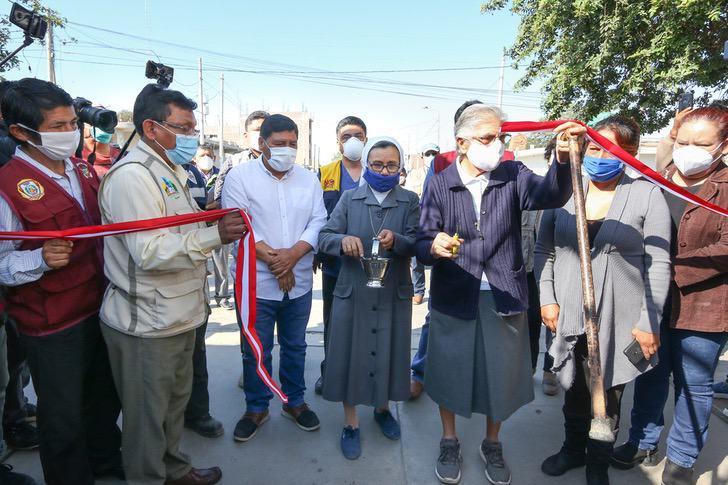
[(479, 366)]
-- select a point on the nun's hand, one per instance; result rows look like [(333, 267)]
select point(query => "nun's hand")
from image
[(352, 246), (443, 244), (386, 239)]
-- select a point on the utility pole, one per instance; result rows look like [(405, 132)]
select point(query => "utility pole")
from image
[(501, 79), (51, 55), (221, 150), (202, 106)]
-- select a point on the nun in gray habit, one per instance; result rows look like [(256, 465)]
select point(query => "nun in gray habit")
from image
[(368, 354)]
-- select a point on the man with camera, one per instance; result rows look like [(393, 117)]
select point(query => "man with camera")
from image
[(55, 287), (157, 295)]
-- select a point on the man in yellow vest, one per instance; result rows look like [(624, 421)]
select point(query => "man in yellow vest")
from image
[(336, 177)]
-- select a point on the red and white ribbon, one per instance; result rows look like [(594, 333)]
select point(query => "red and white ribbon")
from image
[(245, 272), (617, 151)]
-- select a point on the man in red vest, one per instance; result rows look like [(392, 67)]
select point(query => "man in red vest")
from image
[(55, 287)]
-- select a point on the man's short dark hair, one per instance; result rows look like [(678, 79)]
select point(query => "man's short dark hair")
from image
[(277, 124), (153, 104), (254, 116), (464, 106), (351, 120), (25, 101), (4, 86)]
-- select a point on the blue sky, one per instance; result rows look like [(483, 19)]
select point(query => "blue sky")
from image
[(294, 36)]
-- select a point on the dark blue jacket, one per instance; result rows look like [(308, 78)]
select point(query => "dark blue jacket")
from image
[(496, 248)]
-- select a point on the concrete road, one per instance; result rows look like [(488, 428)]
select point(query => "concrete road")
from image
[(283, 454)]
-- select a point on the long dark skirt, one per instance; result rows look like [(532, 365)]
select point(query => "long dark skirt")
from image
[(479, 366)]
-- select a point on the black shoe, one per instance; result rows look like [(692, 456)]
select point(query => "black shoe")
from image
[(302, 416), (628, 456), (113, 472), (676, 475), (21, 436), (206, 426), (563, 461), (318, 388), (596, 474), (9, 477), (248, 425)]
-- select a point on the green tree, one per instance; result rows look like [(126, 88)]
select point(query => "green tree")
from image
[(632, 56), (7, 45), (124, 115)]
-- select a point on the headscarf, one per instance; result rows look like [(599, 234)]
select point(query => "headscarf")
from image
[(368, 147)]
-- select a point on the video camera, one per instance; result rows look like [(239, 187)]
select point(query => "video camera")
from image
[(101, 118), (34, 27), (163, 74), (32, 23)]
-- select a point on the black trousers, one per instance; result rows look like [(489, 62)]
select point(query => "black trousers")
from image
[(199, 404), (77, 404), (14, 412), (578, 412), (328, 283)]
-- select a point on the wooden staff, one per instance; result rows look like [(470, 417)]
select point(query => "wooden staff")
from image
[(601, 426)]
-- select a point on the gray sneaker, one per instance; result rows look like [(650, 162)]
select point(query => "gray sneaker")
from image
[(448, 463), (496, 470)]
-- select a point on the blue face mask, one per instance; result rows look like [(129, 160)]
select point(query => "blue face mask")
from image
[(379, 182), (101, 136), (184, 150), (601, 169)]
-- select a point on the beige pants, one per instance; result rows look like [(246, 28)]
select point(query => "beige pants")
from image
[(153, 377)]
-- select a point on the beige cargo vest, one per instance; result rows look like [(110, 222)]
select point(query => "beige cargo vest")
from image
[(153, 303)]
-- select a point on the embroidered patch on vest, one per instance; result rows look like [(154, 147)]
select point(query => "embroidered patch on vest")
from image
[(31, 189), (169, 187), (329, 184), (83, 168)]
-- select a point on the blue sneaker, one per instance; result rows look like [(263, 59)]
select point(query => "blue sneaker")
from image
[(720, 389), (388, 425), (350, 443)]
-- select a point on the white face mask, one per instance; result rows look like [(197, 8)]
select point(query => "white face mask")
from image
[(691, 159), (56, 145), (281, 158), (253, 137), (353, 149), (205, 163), (485, 157)]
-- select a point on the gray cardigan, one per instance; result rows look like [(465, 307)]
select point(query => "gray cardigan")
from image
[(631, 271)]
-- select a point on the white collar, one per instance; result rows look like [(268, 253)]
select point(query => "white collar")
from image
[(68, 164)]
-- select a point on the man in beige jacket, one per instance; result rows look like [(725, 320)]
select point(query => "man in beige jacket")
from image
[(157, 294)]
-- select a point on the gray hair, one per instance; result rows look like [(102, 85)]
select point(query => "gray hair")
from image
[(465, 125)]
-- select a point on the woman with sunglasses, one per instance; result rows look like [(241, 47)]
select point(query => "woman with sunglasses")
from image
[(368, 354)]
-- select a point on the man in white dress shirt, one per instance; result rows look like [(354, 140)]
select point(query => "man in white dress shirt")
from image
[(285, 202)]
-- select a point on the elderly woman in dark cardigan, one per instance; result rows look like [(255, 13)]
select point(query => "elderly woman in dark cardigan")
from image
[(478, 350)]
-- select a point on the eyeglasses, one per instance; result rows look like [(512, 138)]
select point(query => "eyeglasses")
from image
[(380, 167), (183, 129)]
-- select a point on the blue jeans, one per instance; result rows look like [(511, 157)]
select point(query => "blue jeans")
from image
[(418, 277), (420, 358), (290, 317), (692, 358)]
